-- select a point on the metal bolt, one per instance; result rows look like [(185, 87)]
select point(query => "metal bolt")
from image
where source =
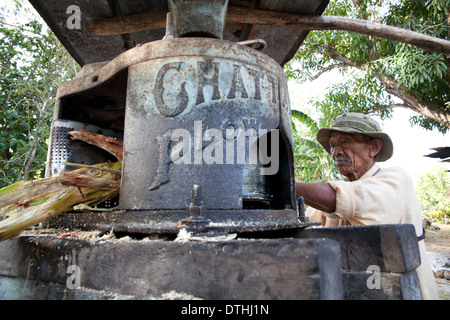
[(195, 211), (195, 194)]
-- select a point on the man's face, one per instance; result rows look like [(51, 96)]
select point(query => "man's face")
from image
[(353, 153)]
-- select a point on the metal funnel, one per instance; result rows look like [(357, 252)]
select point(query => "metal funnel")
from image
[(199, 18)]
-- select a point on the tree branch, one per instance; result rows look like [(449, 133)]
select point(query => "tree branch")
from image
[(379, 107), (410, 100), (156, 20), (336, 55), (414, 103), (29, 163), (304, 22), (322, 71)]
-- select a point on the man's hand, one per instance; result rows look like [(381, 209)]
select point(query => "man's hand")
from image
[(317, 195)]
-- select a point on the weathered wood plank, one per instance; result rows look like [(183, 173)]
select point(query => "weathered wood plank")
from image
[(238, 269), (391, 286), (393, 248), (144, 21)]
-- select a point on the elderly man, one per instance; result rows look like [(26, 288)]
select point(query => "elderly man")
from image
[(372, 195)]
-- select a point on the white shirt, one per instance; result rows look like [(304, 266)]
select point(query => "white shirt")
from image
[(380, 196)]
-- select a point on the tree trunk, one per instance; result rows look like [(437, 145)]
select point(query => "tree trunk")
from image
[(414, 103), (409, 99), (29, 163)]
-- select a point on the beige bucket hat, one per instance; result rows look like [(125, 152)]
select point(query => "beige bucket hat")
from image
[(353, 122)]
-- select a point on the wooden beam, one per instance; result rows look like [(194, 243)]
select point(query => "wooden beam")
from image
[(128, 24), (222, 270), (305, 22), (157, 20)]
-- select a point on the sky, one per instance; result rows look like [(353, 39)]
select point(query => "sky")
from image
[(412, 143)]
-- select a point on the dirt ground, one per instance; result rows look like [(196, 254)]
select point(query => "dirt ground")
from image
[(438, 248)]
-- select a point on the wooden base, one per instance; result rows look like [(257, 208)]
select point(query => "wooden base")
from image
[(329, 263)]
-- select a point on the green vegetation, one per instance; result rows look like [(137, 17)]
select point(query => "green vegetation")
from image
[(33, 64), (379, 74), (433, 191)]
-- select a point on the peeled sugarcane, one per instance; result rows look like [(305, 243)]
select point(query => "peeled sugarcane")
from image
[(39, 200)]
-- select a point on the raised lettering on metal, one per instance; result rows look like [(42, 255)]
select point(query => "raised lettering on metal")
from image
[(158, 92)]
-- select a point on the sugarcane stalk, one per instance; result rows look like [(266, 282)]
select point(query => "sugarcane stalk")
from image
[(54, 203), (21, 192), (43, 199), (80, 180), (58, 203), (77, 165), (26, 190), (109, 144)]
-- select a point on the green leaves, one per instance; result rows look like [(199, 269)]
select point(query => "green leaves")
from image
[(366, 62), (431, 190), (413, 67), (33, 64), (311, 162)]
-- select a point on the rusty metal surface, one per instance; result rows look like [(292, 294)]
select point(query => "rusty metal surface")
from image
[(199, 18), (169, 222), (195, 85), (63, 149), (88, 48)]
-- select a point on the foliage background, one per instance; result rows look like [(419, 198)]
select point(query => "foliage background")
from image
[(375, 75), (33, 64), (433, 191), (381, 74)]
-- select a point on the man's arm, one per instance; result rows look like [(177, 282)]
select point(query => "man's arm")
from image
[(317, 195)]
